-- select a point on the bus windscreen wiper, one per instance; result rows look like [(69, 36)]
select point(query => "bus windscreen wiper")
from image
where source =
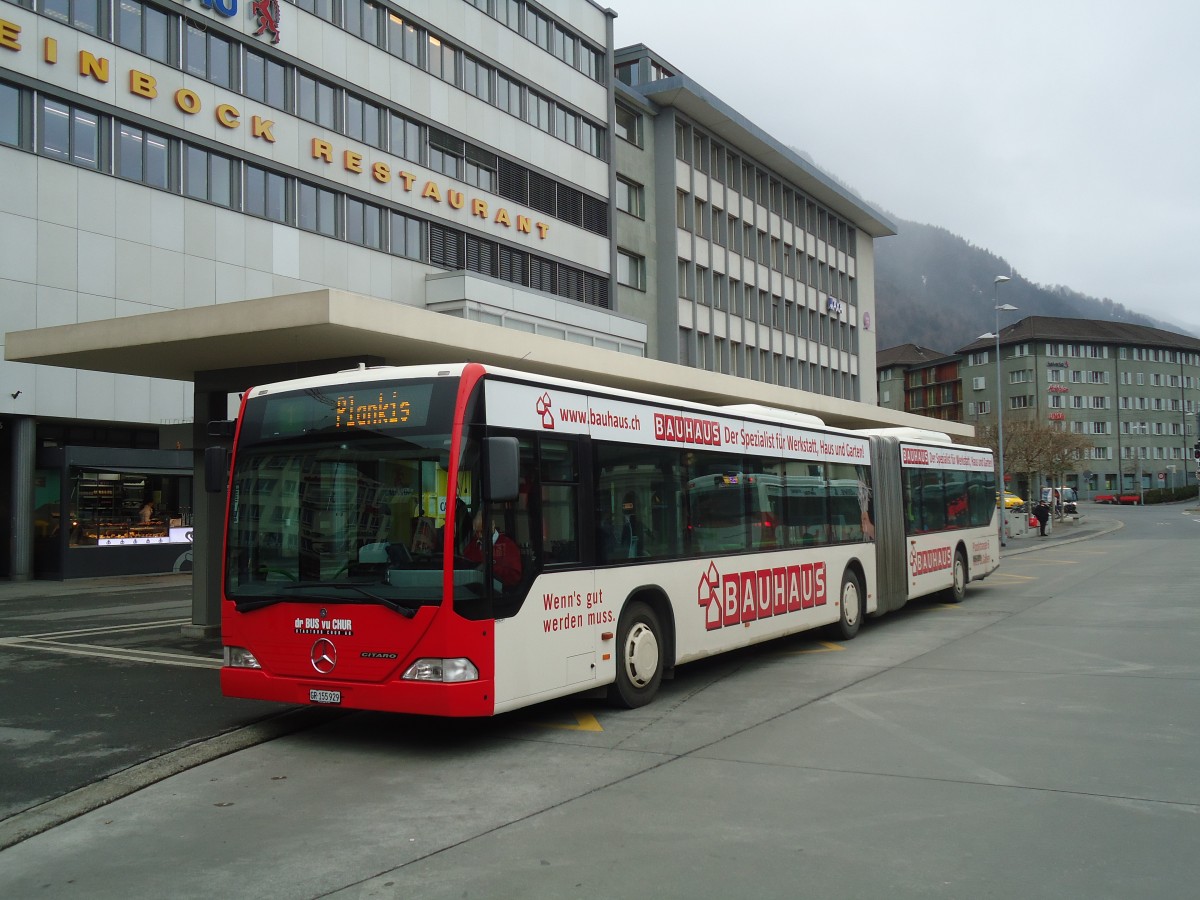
[(405, 611)]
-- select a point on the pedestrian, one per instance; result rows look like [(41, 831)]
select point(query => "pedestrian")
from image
[(1041, 512)]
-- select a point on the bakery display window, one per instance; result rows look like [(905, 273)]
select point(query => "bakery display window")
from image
[(128, 509)]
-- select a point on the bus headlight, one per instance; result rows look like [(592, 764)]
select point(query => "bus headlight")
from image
[(240, 658), (443, 670)]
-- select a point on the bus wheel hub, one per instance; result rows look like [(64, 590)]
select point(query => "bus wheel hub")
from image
[(641, 655)]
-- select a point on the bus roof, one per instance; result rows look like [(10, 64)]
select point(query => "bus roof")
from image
[(364, 373)]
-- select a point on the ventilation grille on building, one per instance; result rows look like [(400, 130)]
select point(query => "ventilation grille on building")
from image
[(514, 181), (542, 194)]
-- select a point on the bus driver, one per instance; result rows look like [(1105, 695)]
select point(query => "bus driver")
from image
[(506, 556)]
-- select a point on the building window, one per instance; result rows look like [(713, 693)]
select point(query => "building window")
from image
[(322, 9), (537, 28), (477, 78), (361, 17), (143, 29), (362, 121), (538, 112), (403, 39), (630, 197), (481, 168), (629, 125), (441, 60), (264, 80), (405, 138), (316, 209), (508, 95), (81, 14), (265, 194), (363, 223), (143, 156), (631, 270), (208, 176), (12, 116), (405, 233), (207, 55), (70, 134), (315, 101), (445, 153)]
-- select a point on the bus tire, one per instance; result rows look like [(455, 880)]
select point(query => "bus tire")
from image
[(958, 588), (639, 657), (850, 601)]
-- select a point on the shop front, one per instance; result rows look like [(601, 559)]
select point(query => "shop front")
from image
[(106, 511)]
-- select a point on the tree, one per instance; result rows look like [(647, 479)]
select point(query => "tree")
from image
[(1036, 450)]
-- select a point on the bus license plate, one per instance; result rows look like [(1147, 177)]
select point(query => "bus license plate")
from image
[(325, 696)]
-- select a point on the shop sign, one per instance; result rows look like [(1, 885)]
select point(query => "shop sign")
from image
[(1058, 416), (226, 8), (354, 161)]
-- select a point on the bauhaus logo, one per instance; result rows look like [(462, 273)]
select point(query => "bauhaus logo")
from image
[(544, 406), (923, 562), (914, 456), (737, 598)]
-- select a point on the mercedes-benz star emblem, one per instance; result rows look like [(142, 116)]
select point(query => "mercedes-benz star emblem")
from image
[(324, 656)]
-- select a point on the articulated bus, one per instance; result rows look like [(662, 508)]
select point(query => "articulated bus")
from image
[(464, 540)]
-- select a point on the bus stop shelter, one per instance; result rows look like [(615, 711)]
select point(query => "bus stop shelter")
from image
[(227, 348)]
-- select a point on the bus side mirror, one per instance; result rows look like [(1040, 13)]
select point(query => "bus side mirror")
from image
[(216, 462), (503, 455)]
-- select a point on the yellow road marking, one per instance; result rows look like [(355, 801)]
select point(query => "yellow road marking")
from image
[(584, 721), (826, 647)]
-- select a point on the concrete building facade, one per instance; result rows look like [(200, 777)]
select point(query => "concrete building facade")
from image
[(1132, 391), (471, 160)]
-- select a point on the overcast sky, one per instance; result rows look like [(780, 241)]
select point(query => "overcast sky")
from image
[(1062, 135)]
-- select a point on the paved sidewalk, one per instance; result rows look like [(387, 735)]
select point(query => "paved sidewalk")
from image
[(1090, 523)]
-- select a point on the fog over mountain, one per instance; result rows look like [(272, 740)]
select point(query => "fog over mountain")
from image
[(935, 289)]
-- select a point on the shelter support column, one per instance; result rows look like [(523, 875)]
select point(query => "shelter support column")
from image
[(208, 521), (24, 460)]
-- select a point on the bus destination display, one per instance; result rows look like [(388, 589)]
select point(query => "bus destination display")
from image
[(386, 409), (372, 407)]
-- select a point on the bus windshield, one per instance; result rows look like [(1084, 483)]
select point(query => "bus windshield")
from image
[(338, 498)]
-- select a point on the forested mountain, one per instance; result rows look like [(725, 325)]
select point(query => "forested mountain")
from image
[(934, 289)]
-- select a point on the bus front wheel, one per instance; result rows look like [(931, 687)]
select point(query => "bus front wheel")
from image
[(639, 657), (958, 590), (851, 602)]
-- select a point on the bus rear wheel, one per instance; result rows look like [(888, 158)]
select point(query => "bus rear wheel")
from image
[(851, 602), (639, 657)]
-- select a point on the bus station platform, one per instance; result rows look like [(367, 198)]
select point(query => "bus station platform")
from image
[(105, 694)]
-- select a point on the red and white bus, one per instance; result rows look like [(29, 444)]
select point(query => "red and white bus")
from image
[(464, 540)]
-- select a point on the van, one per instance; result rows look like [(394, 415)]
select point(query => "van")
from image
[(1067, 496)]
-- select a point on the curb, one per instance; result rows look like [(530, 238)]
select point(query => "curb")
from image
[(37, 819), (1115, 526)]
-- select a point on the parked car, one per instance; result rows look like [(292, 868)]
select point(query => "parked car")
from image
[(1126, 499), (1011, 500)]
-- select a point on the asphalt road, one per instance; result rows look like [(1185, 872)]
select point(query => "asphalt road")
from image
[(1038, 740), (96, 677)]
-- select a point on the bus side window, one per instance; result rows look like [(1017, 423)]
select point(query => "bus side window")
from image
[(560, 502), (806, 506), (914, 522), (847, 503), (957, 505), (638, 496)]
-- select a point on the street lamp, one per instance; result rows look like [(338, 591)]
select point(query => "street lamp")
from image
[(1007, 307)]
